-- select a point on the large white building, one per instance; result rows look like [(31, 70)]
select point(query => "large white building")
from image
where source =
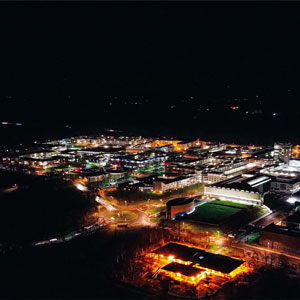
[(165, 184), (243, 189), (282, 152)]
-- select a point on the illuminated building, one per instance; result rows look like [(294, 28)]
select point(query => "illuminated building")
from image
[(247, 190), (180, 169), (144, 160), (191, 265), (165, 184), (227, 170), (95, 176), (179, 206), (184, 145), (285, 185), (296, 151), (282, 152)]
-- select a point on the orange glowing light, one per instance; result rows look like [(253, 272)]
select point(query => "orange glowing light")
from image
[(171, 257)]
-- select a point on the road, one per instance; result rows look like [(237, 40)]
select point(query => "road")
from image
[(269, 250), (274, 217)]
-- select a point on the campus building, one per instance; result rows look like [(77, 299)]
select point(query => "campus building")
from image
[(280, 237), (179, 206), (243, 189), (165, 184), (282, 152)]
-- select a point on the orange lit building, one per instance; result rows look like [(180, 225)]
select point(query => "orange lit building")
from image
[(185, 263), (296, 151)]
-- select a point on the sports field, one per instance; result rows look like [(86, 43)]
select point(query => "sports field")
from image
[(214, 213), (229, 203)]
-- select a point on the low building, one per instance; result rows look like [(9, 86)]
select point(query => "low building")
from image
[(165, 184), (179, 169), (285, 185), (292, 221), (179, 206), (280, 237), (143, 160), (95, 176)]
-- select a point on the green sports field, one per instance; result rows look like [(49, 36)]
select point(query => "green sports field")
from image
[(213, 213), (229, 203)]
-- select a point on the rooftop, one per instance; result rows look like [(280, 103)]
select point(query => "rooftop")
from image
[(186, 270), (273, 228), (217, 262), (179, 201), (167, 180)]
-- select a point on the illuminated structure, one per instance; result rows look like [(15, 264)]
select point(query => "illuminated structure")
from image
[(191, 265), (282, 152), (179, 206), (165, 184), (247, 190)]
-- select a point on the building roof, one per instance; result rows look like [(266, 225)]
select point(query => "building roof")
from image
[(186, 270), (167, 180), (273, 228), (295, 218), (179, 201), (217, 262)]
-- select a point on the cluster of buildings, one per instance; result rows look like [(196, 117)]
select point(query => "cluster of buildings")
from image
[(284, 235), (234, 172)]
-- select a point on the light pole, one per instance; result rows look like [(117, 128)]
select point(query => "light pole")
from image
[(207, 241), (148, 203)]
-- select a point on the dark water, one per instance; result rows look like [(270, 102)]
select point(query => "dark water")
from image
[(41, 208)]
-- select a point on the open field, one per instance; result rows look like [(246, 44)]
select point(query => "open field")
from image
[(212, 213), (229, 203), (138, 196)]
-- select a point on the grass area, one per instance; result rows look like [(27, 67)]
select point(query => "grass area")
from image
[(260, 211), (212, 213), (229, 203), (137, 196), (155, 210), (155, 219), (253, 238)]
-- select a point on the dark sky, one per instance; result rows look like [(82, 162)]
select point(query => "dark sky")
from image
[(129, 48), (63, 63)]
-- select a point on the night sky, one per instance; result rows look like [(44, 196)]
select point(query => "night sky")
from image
[(67, 61)]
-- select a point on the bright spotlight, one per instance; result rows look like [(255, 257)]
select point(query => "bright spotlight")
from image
[(81, 187), (292, 200)]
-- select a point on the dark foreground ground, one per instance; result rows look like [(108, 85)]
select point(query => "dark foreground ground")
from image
[(83, 268)]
